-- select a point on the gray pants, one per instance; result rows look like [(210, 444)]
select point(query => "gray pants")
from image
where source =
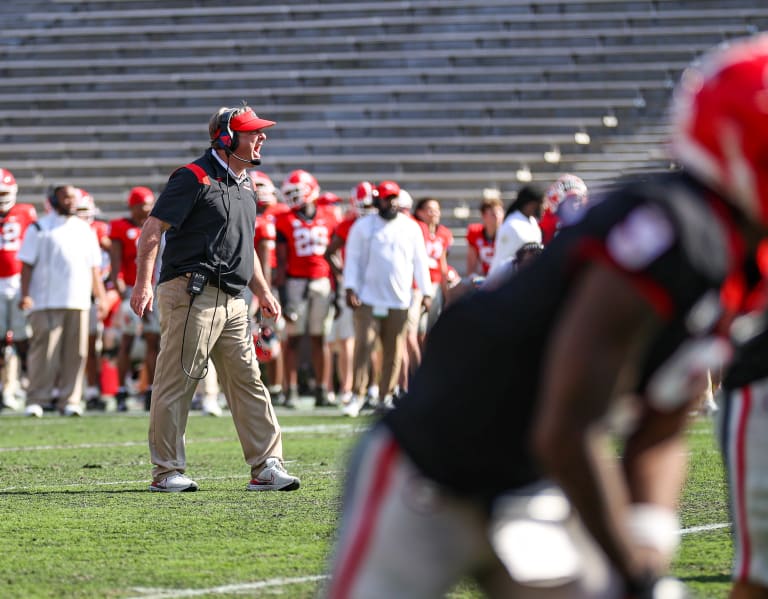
[(225, 320)]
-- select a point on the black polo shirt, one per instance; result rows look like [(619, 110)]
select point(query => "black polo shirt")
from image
[(466, 422), (212, 218)]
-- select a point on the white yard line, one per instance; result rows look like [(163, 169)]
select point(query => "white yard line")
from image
[(704, 528), (221, 590)]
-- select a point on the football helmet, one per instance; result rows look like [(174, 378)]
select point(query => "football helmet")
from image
[(8, 190), (85, 207), (719, 123), (566, 186), (267, 344), (405, 201), (361, 197), (266, 194), (300, 188)]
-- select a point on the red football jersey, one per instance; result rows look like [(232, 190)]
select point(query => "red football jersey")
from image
[(275, 210), (265, 231), (101, 230), (483, 246), (437, 246), (307, 242), (548, 225), (14, 226), (127, 233)]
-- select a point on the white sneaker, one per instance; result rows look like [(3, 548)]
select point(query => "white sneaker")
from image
[(10, 401), (274, 478), (353, 407), (34, 410), (73, 410), (175, 483), (211, 406)]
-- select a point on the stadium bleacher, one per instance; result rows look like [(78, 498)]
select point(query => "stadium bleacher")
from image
[(446, 96)]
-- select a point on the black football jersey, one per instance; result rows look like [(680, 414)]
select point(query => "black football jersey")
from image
[(466, 422)]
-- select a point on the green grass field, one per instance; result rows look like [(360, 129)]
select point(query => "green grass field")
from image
[(77, 520)]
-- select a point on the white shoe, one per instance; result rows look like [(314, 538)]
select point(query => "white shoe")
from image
[(10, 401), (710, 406), (34, 410), (73, 410), (211, 406), (175, 483), (345, 398), (274, 478), (352, 409)]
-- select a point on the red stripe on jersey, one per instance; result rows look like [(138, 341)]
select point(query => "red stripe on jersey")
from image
[(384, 466), (200, 173), (591, 249)]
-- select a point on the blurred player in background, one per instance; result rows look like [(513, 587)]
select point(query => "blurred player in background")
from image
[(124, 233), (15, 218), (303, 235), (481, 237)]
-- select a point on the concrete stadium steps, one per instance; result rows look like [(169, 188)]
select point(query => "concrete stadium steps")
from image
[(446, 96)]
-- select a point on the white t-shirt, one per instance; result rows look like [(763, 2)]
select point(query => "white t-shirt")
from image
[(516, 230), (62, 250), (382, 258)]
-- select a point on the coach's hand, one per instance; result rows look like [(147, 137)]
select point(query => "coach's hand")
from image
[(141, 299), (269, 304)]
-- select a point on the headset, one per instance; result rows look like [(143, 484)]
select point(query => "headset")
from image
[(225, 137)]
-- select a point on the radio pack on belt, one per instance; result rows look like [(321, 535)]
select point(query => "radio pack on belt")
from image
[(196, 283)]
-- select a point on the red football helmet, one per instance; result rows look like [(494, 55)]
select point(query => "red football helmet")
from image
[(8, 190), (300, 188), (266, 194), (361, 197), (267, 344), (720, 123)]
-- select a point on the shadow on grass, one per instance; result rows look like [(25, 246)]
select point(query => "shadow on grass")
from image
[(705, 578), (76, 492)]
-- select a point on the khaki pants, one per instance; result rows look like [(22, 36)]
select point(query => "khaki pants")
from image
[(225, 320), (391, 330), (57, 354)]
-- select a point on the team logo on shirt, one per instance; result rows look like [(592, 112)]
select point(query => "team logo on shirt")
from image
[(644, 235)]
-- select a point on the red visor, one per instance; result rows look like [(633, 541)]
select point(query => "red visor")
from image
[(248, 121)]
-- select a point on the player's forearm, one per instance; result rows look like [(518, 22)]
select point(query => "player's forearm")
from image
[(655, 459)]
